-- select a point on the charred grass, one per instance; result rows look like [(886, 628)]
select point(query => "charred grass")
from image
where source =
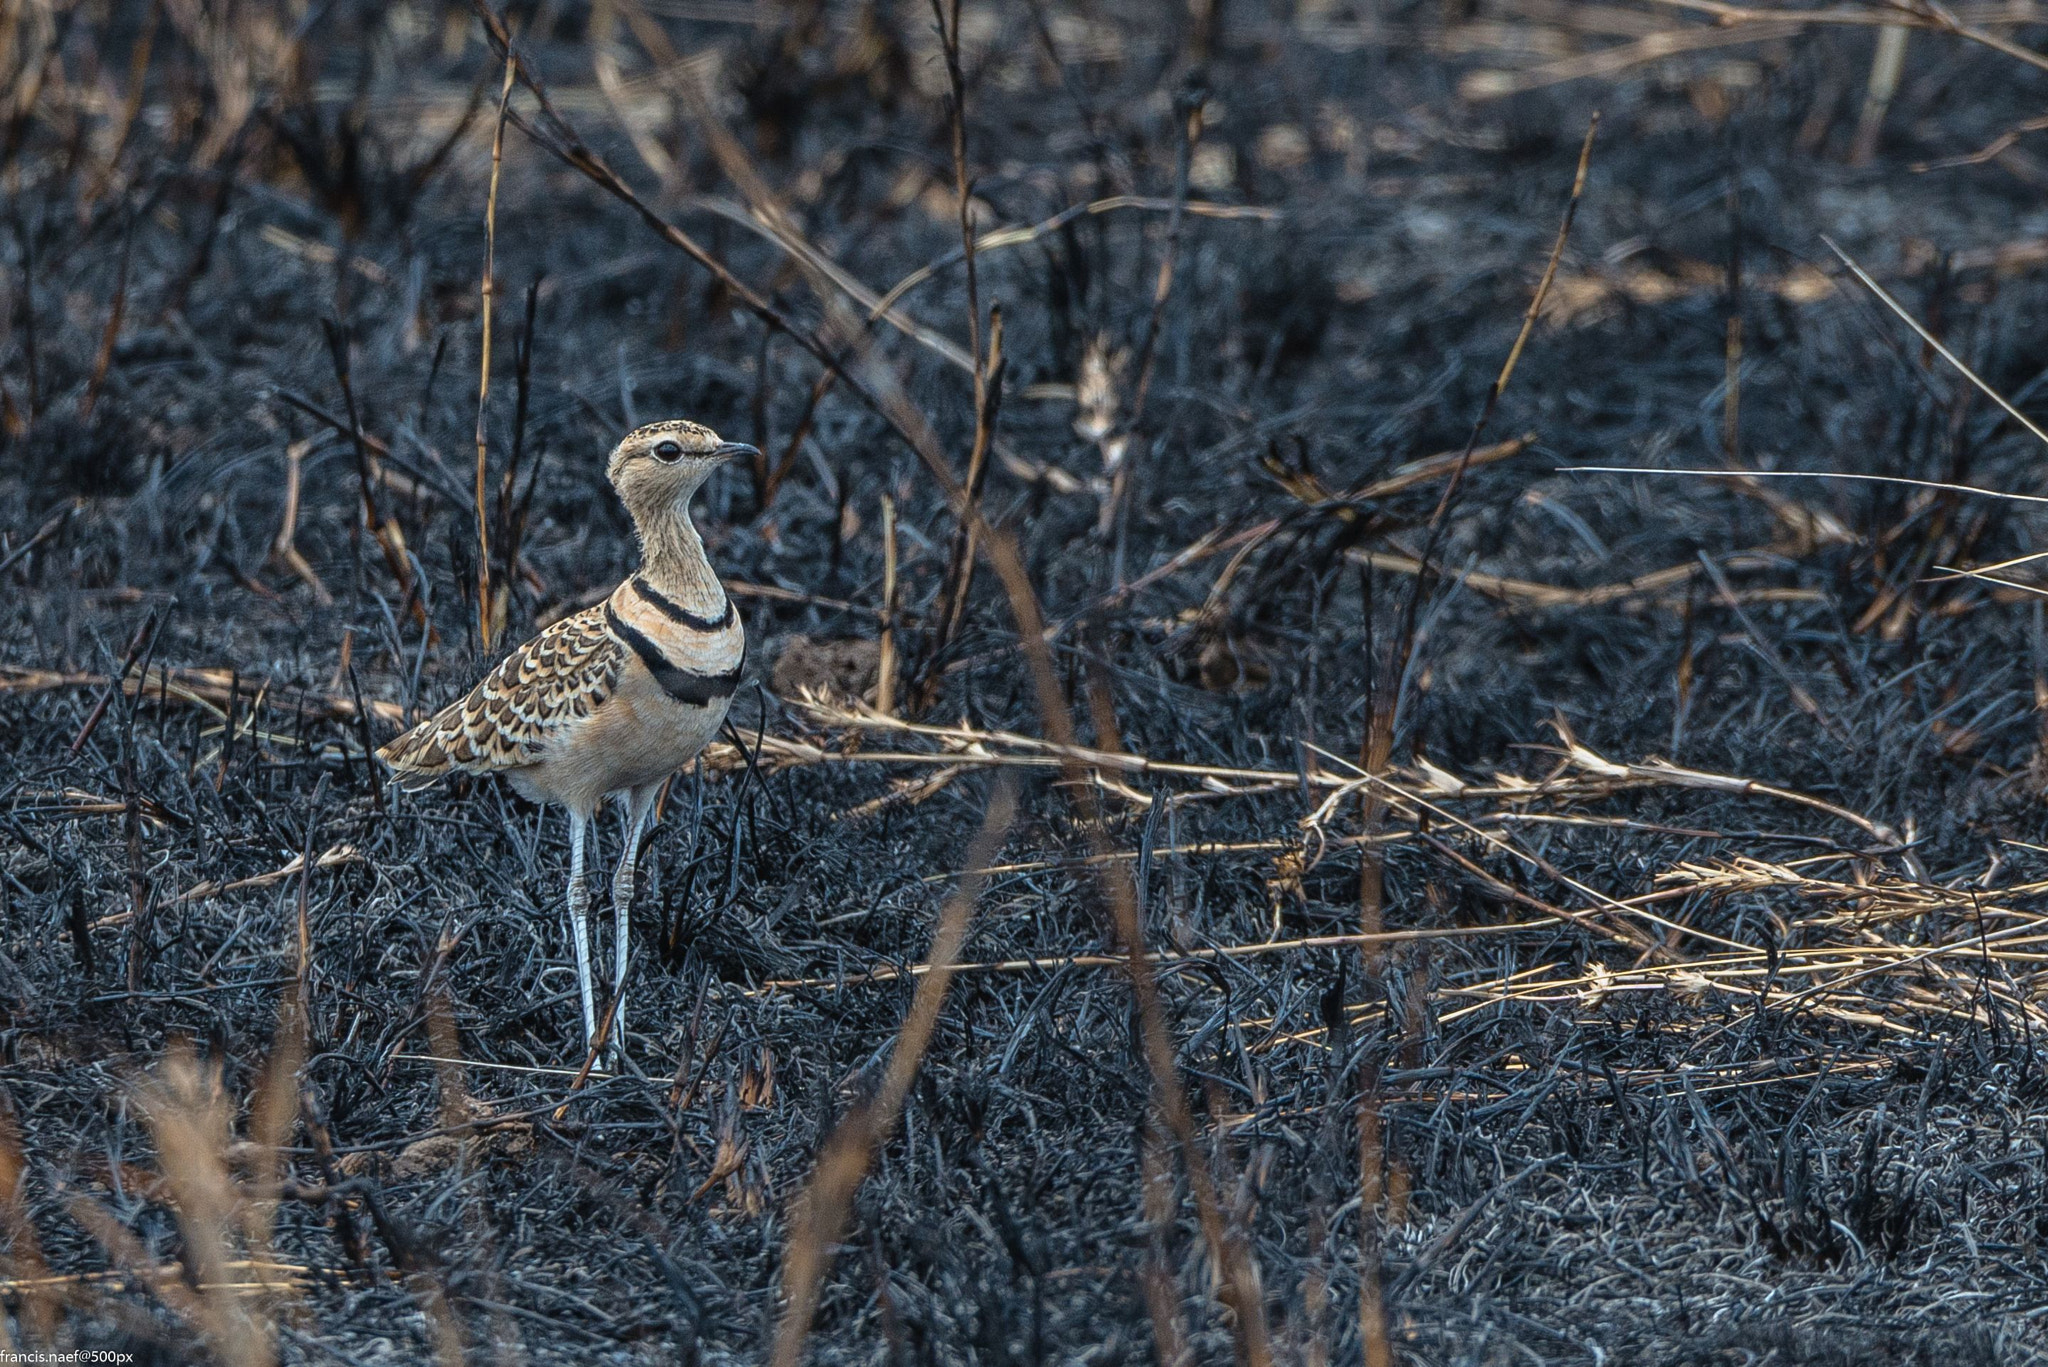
[(1577, 917)]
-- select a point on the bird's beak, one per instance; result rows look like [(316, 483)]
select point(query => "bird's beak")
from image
[(726, 450)]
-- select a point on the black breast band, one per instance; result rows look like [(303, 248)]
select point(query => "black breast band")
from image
[(698, 690), (676, 612)]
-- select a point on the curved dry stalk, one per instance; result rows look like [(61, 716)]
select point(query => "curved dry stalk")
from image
[(821, 1213)]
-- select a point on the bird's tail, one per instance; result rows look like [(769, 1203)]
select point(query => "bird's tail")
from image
[(418, 758)]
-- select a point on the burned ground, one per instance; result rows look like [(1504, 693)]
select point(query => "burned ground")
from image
[(1717, 803)]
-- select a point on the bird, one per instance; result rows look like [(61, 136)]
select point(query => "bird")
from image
[(609, 702)]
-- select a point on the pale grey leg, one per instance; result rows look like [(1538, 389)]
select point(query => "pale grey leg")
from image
[(579, 921), (635, 817)]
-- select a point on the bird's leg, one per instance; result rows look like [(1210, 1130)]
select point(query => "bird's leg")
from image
[(579, 921), (634, 816)]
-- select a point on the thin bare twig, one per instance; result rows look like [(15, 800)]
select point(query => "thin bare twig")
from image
[(1935, 343)]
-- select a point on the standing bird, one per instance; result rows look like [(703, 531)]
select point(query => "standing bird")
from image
[(612, 700)]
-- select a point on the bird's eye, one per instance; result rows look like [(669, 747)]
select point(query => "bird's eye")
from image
[(669, 451)]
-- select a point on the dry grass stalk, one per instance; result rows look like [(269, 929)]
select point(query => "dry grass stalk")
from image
[(489, 605), (285, 547), (1851, 974), (1886, 65), (103, 359), (764, 214), (1612, 61), (266, 1278), (1594, 776), (321, 253), (1188, 103), (959, 580), (131, 105), (144, 635), (188, 1113), (273, 1114), (386, 531), (1594, 294), (35, 34), (885, 669), (246, 49), (41, 534), (1388, 678), (27, 1271), (996, 239), (201, 687), (1657, 585), (1158, 958), (327, 859), (821, 1213), (1935, 343), (1305, 486), (905, 792), (1372, 1160), (963, 195), (1743, 24), (1155, 1276), (1102, 414), (2005, 256), (604, 65), (1965, 24), (777, 228)]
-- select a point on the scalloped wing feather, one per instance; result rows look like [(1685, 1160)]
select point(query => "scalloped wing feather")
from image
[(521, 710)]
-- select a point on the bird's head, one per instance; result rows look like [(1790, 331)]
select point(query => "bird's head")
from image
[(657, 467)]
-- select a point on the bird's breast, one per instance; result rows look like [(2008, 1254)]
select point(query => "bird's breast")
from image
[(695, 658)]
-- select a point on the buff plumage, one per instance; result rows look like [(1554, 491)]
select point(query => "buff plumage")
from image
[(521, 709)]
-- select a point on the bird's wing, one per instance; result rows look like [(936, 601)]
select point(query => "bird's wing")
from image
[(523, 707)]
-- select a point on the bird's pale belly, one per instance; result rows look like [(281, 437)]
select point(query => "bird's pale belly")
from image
[(638, 736)]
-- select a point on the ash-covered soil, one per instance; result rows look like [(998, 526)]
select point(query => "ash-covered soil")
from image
[(1757, 1079)]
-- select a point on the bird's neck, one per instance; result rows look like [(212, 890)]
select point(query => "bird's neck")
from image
[(672, 559)]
